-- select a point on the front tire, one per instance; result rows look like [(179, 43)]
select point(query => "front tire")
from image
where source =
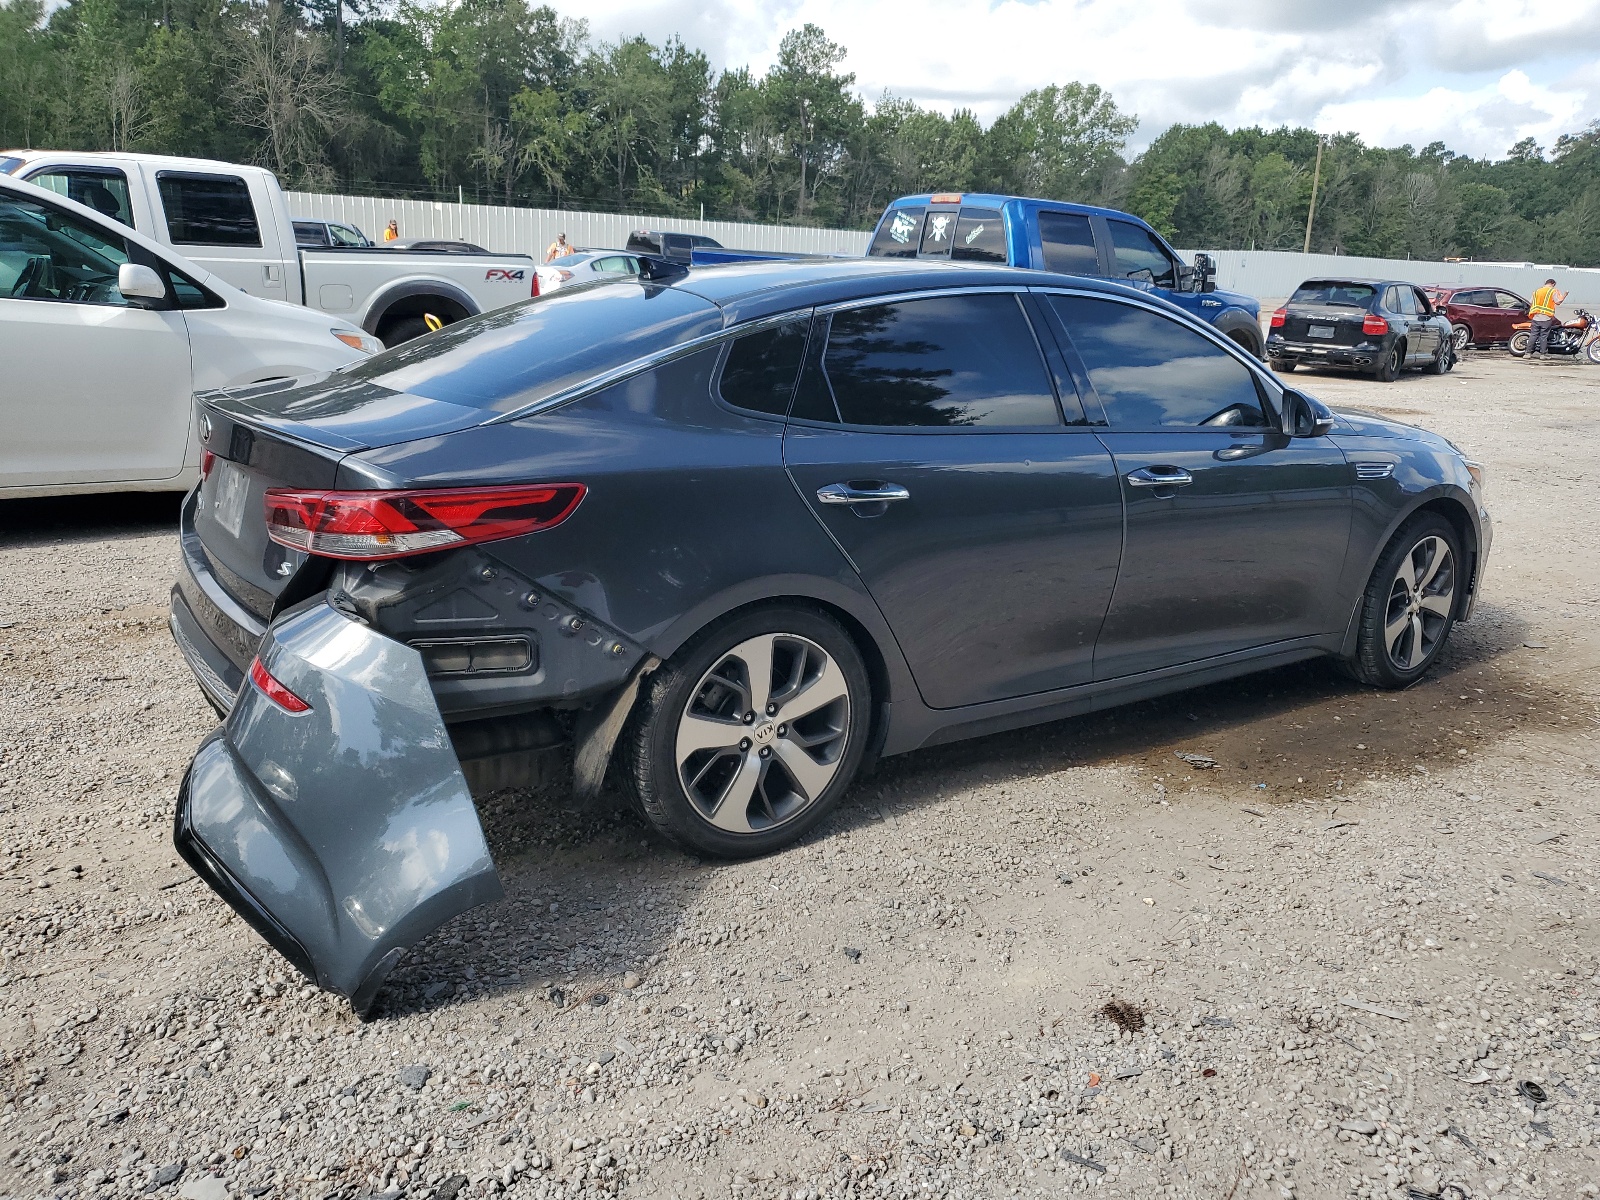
[(1521, 343), (1592, 350), (749, 736), (1409, 606), (1443, 360), (1389, 370)]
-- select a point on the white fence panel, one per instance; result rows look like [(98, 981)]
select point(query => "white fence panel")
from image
[(531, 230), (1274, 274)]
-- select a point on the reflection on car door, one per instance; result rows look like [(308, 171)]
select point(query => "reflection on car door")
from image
[(1236, 534), (92, 390), (927, 438)]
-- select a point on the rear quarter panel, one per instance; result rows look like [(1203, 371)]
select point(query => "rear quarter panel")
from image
[(349, 283)]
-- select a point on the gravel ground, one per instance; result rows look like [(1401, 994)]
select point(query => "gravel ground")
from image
[(1052, 961)]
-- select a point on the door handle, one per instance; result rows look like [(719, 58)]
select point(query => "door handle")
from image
[(1159, 477), (849, 493)]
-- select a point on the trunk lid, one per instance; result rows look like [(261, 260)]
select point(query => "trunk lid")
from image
[(1323, 324)]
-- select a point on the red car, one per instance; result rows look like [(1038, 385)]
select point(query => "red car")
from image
[(1479, 316)]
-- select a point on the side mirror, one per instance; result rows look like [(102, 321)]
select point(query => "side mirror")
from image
[(1305, 417), (1205, 269), (138, 282)]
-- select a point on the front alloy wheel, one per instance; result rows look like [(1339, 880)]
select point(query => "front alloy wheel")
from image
[(1409, 605), (1460, 337), (751, 734)]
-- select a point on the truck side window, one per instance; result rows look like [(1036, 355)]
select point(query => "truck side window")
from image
[(1068, 244), (103, 189), (1138, 250), (980, 236), (208, 210), (897, 235)]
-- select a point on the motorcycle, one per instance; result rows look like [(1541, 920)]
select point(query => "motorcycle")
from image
[(1581, 336)]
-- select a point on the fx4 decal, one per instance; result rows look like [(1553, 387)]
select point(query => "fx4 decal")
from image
[(504, 275)]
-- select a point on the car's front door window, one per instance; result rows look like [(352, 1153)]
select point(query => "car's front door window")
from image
[(1510, 302), (1153, 372), (46, 254), (1138, 252)]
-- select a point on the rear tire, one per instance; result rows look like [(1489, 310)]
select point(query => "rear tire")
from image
[(1389, 370), (1408, 609), (404, 330), (1460, 337), (1521, 343), (709, 755)]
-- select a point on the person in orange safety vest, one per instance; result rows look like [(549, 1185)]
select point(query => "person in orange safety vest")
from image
[(1543, 313)]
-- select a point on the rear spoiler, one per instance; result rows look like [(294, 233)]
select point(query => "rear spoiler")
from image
[(707, 256)]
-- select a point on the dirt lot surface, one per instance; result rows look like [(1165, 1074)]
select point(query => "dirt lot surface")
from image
[(1052, 961)]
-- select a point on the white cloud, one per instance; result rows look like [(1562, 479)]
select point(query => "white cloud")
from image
[(1389, 70)]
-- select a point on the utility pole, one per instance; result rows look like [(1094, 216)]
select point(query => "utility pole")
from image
[(1316, 178)]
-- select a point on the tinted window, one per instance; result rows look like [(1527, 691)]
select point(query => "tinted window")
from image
[(105, 191), (1474, 299), (208, 210), (761, 368), (9, 165), (188, 293), (943, 361), (309, 234), (1151, 370), (1137, 251), (1403, 301), (980, 236), (1068, 244), (526, 352), (938, 233), (897, 234), (46, 254), (1343, 295)]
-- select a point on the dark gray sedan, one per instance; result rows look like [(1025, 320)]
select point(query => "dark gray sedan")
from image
[(734, 533)]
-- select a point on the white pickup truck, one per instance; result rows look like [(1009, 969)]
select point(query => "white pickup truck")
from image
[(234, 221)]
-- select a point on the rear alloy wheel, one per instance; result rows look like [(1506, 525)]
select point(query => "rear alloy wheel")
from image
[(1460, 337), (1389, 368), (750, 738), (1409, 606), (1521, 343)]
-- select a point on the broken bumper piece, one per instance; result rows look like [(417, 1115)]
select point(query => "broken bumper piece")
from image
[(345, 833)]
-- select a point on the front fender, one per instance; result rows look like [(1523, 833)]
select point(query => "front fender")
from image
[(343, 834), (1240, 325)]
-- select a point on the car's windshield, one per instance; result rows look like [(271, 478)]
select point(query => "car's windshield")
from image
[(1332, 292), (346, 236)]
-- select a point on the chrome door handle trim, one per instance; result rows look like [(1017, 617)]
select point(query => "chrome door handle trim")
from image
[(1164, 477), (843, 493)]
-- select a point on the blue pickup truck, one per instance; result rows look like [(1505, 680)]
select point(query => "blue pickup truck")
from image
[(1075, 239)]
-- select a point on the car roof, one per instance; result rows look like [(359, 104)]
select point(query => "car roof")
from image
[(170, 162), (755, 289), (995, 200), (1358, 281)]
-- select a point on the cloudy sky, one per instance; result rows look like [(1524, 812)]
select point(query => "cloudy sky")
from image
[(1475, 74)]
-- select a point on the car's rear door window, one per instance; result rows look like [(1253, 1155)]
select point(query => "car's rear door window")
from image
[(760, 370), (1068, 241), (980, 236), (208, 210), (898, 234), (945, 361), (1154, 372)]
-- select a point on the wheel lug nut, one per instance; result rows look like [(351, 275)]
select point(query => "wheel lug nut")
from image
[(772, 710), (749, 717), (782, 729), (744, 743), (766, 752)]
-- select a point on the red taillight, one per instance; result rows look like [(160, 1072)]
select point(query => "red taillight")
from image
[(374, 525), (1374, 325), (535, 291), (207, 460), (1278, 318), (275, 691)]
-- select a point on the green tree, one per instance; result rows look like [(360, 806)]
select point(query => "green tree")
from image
[(1059, 142)]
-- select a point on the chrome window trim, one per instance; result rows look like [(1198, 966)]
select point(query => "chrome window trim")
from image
[(922, 294), (1275, 389), (649, 362)]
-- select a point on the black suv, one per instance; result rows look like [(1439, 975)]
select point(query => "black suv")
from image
[(1381, 326), (676, 246)]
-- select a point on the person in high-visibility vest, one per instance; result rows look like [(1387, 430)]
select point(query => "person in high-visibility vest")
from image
[(1543, 312)]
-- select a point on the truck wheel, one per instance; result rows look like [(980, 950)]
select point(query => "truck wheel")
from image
[(403, 330), (1251, 346), (750, 735)]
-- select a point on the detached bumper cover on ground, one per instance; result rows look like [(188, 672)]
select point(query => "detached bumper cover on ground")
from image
[(346, 833)]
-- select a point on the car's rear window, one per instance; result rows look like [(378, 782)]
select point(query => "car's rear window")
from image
[(516, 356), (1332, 291)]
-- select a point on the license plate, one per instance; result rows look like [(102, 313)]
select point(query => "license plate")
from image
[(1322, 331), (232, 488)]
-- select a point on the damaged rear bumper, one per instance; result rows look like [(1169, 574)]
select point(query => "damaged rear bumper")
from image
[(346, 833)]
